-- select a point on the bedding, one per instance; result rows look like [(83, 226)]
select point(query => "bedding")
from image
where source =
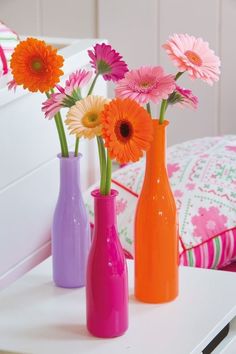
[(202, 174), (8, 41)]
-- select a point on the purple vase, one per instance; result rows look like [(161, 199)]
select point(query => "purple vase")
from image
[(106, 280), (70, 229)]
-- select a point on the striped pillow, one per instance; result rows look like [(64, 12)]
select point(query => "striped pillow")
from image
[(8, 40)]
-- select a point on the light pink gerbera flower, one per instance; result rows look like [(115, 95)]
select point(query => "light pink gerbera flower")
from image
[(107, 62), (193, 55), (77, 80), (186, 98), (146, 84), (67, 96)]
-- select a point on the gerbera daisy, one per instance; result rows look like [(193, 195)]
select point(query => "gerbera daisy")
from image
[(12, 85), (146, 84), (36, 65), (53, 104), (183, 98), (67, 96), (84, 118), (193, 55), (127, 130), (77, 80), (107, 62)]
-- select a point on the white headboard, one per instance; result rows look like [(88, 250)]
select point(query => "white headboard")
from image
[(29, 171)]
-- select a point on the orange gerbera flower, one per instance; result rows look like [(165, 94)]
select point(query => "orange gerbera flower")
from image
[(127, 130), (36, 65)]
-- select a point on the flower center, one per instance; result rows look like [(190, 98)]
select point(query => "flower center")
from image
[(123, 130), (103, 67), (91, 119), (145, 84), (37, 64), (193, 57)]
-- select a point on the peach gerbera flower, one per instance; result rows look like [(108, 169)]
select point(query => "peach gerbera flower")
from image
[(193, 55), (84, 118), (36, 65), (127, 130)]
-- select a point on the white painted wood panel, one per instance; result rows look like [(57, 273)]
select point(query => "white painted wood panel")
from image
[(131, 27), (201, 19), (70, 18), (228, 77), (26, 212), (21, 15)]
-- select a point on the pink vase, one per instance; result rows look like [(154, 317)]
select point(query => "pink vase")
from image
[(106, 280)]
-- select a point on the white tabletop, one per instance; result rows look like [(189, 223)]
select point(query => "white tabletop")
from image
[(36, 317)]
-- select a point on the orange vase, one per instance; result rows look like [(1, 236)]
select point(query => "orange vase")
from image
[(156, 238)]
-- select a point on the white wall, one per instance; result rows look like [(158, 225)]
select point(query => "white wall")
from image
[(137, 29)]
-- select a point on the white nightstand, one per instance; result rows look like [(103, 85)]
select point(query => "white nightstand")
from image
[(38, 318)]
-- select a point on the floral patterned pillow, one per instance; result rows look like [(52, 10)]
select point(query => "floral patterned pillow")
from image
[(202, 173)]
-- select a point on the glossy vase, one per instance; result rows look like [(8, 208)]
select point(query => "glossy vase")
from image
[(107, 280), (70, 229), (156, 238)]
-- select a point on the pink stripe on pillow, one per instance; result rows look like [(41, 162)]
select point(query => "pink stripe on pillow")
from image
[(4, 61)]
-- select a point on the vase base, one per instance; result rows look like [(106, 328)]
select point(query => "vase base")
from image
[(107, 335), (68, 286)]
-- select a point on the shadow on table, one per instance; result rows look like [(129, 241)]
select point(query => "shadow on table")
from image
[(29, 295), (58, 332)]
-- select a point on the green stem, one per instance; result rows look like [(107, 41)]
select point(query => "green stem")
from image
[(92, 85), (164, 103), (108, 175), (149, 108), (60, 130), (102, 160), (178, 75), (76, 146), (162, 111), (62, 135)]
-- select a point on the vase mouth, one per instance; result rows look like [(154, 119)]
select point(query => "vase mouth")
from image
[(96, 194), (157, 124), (71, 156)]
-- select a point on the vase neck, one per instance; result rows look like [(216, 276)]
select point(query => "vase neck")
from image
[(70, 174), (156, 155), (104, 209)]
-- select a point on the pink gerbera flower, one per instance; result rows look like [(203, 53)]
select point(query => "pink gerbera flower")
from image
[(183, 98), (53, 105), (12, 85), (187, 98), (68, 95), (107, 62), (193, 55), (77, 80), (146, 84)]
